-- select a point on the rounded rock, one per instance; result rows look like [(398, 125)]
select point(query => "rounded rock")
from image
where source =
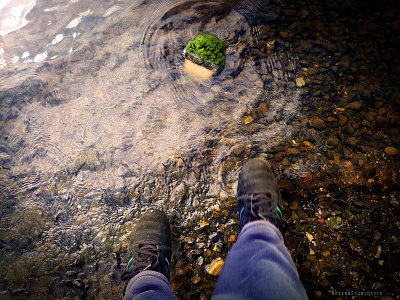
[(317, 122), (391, 151)]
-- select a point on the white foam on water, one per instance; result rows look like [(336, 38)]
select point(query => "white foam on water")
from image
[(57, 39), (13, 15)]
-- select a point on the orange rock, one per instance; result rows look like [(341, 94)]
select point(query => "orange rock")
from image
[(248, 120), (332, 119), (203, 224), (216, 266), (232, 238), (325, 282), (321, 221)]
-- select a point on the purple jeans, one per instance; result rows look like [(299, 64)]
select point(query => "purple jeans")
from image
[(258, 267)]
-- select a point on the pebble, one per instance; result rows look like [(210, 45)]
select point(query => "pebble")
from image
[(355, 105), (342, 119), (317, 122), (391, 151), (300, 81), (215, 266), (77, 283), (71, 273)]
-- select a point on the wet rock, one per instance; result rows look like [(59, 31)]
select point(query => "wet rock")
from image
[(318, 26), (375, 250), (215, 267), (195, 279), (181, 267), (391, 151), (237, 150), (300, 81), (71, 273), (394, 202), (377, 235), (355, 105), (77, 283), (342, 119), (333, 140), (317, 122), (352, 141), (285, 185), (345, 61)]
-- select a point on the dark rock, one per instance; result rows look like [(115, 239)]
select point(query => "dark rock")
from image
[(317, 122), (318, 26), (332, 140)]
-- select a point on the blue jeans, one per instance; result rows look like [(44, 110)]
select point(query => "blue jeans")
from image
[(258, 267)]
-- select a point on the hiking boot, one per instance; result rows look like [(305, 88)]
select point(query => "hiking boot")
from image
[(150, 246), (258, 195)]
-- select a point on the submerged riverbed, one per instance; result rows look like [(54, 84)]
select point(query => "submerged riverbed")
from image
[(99, 122)]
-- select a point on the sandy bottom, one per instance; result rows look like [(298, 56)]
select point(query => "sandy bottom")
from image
[(196, 72)]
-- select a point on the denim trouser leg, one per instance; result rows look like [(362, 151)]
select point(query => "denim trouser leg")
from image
[(259, 267), (149, 285)]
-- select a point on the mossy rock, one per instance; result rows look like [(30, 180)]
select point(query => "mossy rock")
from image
[(208, 51)]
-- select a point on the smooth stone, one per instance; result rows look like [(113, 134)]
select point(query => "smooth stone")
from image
[(391, 151), (317, 122)]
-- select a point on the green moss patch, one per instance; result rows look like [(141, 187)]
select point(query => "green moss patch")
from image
[(208, 51)]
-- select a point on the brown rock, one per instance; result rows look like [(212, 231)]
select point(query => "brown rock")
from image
[(352, 141), (317, 122), (391, 151), (285, 185), (342, 119), (318, 26), (332, 140), (355, 105)]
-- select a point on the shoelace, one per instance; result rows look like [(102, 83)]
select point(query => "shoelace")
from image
[(147, 259), (261, 200)]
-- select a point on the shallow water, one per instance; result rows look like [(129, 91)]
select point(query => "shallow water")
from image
[(95, 97), (99, 120)]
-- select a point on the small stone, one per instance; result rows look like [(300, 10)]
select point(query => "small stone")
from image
[(317, 122), (355, 105), (248, 120), (232, 238), (300, 81), (326, 254), (195, 279), (309, 236), (336, 222), (182, 267), (318, 26), (200, 261), (325, 282), (377, 235), (394, 202), (352, 141), (71, 273), (203, 224), (77, 283), (259, 84), (237, 150), (179, 164), (391, 151), (215, 267), (332, 141), (342, 119), (285, 184)]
